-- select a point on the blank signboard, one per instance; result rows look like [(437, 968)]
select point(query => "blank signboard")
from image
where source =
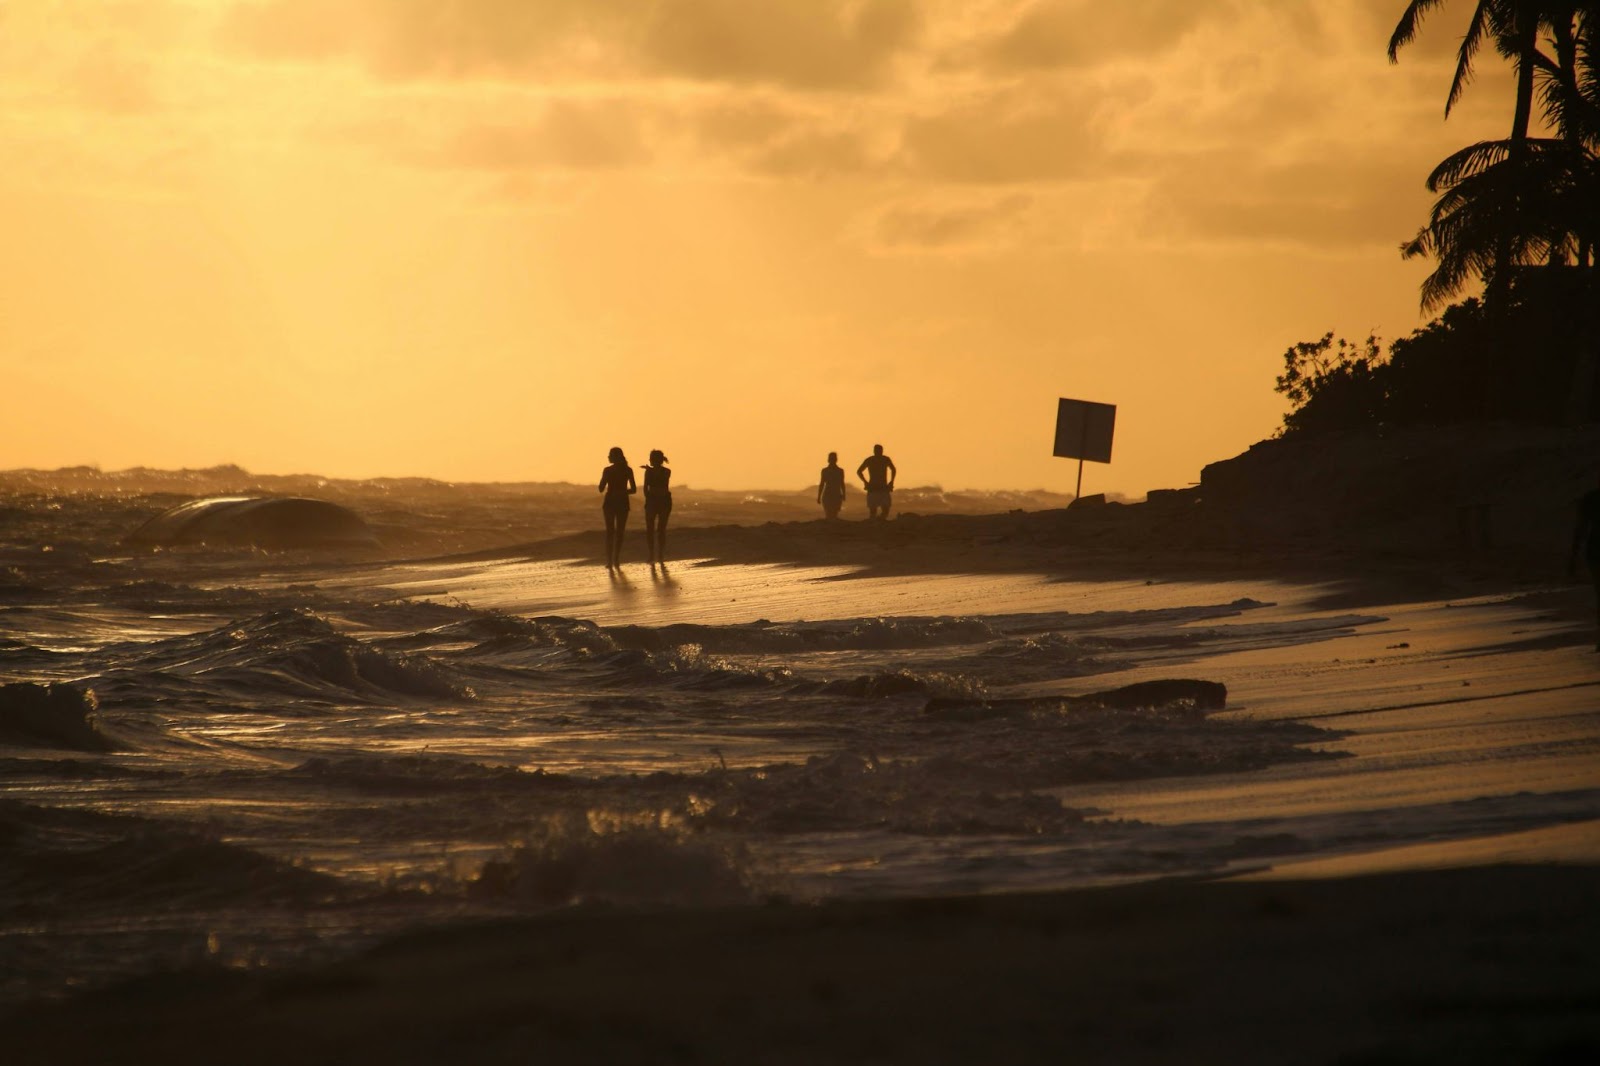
[(1083, 430)]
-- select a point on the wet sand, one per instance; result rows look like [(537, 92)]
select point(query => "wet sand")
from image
[(1477, 719), (1473, 715), (1479, 715)]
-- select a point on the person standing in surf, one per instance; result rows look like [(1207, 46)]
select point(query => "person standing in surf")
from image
[(616, 481), (878, 480), (830, 490), (657, 506)]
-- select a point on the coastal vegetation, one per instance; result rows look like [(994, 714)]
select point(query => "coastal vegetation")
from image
[(1519, 216)]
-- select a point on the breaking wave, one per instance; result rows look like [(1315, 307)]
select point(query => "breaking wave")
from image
[(600, 857), (287, 654)]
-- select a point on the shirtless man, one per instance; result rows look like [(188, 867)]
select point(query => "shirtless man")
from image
[(878, 480)]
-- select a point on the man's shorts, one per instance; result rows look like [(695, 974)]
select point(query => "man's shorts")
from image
[(878, 499)]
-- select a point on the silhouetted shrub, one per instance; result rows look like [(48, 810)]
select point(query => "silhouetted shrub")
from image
[(1333, 383), (1532, 360)]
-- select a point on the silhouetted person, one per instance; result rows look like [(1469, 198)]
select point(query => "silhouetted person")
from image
[(878, 481), (657, 505), (616, 481), (830, 490), (1586, 537)]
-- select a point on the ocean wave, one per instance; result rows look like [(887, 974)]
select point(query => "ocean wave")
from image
[(55, 860), (984, 776), (983, 772), (507, 638), (421, 775), (18, 654), (602, 857), (156, 596), (1041, 657), (762, 637), (689, 667), (286, 654), (851, 791), (1004, 650), (1171, 696), (890, 683), (492, 646)]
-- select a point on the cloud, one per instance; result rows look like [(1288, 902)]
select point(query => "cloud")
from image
[(1007, 137), (773, 140), (103, 59), (946, 228), (807, 44), (1226, 199), (744, 123), (1198, 121), (811, 44), (409, 39), (568, 134), (1057, 34), (114, 83), (150, 24), (814, 154)]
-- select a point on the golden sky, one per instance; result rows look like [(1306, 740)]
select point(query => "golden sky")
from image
[(489, 239)]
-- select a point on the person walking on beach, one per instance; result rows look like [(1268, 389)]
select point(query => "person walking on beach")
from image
[(878, 480), (657, 506), (1586, 537), (616, 481), (830, 490)]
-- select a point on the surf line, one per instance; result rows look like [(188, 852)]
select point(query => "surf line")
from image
[(1441, 703)]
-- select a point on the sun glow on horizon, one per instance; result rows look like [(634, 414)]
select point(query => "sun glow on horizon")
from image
[(338, 237)]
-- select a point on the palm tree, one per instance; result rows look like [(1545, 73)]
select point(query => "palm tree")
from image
[(1570, 94), (1523, 201), (1570, 91), (1488, 14), (1494, 228), (1541, 186)]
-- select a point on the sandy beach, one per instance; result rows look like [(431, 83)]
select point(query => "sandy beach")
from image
[(1382, 847)]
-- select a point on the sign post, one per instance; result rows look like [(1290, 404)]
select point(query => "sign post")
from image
[(1083, 431)]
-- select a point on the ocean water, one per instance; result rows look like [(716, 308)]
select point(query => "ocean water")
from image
[(252, 759)]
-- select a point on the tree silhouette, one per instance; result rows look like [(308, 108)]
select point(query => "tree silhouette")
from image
[(1487, 18), (1504, 204), (1479, 225), (1520, 213), (1569, 94), (1524, 200)]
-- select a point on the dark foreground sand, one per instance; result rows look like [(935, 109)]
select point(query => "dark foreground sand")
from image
[(1488, 965)]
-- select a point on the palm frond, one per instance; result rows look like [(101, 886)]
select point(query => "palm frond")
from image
[(1473, 159), (1506, 20), (1587, 63), (1469, 48), (1405, 30), (1554, 98)]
